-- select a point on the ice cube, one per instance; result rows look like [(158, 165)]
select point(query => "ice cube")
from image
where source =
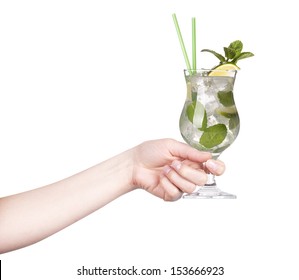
[(211, 105), (223, 83)]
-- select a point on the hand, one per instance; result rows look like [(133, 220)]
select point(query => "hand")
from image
[(167, 168)]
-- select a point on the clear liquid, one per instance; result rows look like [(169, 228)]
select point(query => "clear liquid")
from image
[(209, 109)]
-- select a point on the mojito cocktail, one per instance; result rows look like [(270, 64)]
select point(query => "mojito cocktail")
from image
[(209, 120)]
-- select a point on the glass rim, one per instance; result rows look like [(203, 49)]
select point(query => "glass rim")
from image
[(200, 70), (204, 72)]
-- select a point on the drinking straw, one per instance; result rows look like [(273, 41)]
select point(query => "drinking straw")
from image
[(193, 44), (181, 42)]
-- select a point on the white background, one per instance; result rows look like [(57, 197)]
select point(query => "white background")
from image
[(81, 81)]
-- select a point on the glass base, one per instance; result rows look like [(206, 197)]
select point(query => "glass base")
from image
[(209, 192)]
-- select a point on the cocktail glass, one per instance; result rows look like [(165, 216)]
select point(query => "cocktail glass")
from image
[(209, 120)]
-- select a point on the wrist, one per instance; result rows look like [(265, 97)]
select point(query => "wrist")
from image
[(121, 170)]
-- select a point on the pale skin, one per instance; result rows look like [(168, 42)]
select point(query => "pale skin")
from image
[(165, 168)]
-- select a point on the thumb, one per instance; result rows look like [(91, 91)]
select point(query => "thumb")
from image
[(184, 151)]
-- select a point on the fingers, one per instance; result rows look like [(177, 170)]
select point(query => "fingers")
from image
[(171, 192), (185, 173), (184, 151), (185, 177), (180, 178)]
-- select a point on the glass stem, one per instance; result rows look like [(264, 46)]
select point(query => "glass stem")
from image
[(211, 180)]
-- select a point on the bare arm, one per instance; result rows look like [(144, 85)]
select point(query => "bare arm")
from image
[(165, 168), (28, 217)]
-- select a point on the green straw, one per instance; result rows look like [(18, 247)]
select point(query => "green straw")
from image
[(181, 42), (193, 44)]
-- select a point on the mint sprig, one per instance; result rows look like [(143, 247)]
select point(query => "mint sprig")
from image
[(232, 54)]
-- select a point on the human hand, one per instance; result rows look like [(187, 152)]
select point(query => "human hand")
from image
[(167, 168)]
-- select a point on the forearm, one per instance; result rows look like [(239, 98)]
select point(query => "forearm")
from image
[(31, 216)]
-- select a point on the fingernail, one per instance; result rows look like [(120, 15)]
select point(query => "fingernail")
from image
[(214, 166), (166, 169), (176, 164)]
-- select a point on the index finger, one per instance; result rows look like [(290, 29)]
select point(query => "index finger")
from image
[(184, 151)]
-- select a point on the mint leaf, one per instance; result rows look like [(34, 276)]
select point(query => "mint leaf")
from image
[(229, 53), (213, 136), (218, 55), (226, 98), (242, 56), (237, 46)]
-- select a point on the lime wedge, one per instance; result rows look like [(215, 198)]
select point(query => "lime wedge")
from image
[(222, 68), (227, 112)]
